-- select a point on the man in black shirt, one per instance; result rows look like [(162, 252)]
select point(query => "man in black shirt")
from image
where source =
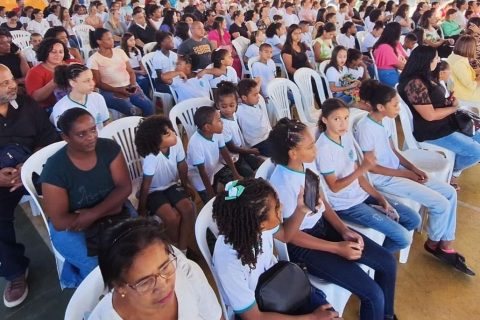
[(141, 29), (22, 122)]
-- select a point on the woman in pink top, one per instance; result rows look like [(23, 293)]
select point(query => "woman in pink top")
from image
[(389, 54), (220, 39)]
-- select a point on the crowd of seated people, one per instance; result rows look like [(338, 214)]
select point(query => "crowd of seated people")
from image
[(61, 88)]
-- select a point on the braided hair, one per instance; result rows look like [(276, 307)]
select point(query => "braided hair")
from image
[(149, 134), (239, 219), (286, 135)]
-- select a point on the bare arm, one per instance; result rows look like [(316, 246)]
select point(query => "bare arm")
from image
[(206, 181), (429, 113), (240, 150), (44, 92), (142, 201)]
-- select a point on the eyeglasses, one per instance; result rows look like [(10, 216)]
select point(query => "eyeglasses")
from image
[(149, 283)]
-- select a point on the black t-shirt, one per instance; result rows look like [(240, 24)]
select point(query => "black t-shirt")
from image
[(145, 35), (242, 30), (416, 92), (18, 27), (27, 125), (12, 61), (299, 60)]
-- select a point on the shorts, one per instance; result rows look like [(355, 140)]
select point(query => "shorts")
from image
[(171, 195)]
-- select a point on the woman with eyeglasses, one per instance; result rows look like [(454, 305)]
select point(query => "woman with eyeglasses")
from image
[(149, 279)]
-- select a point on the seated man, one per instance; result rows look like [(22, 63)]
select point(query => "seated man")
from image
[(22, 122)]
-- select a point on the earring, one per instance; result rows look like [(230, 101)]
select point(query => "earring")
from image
[(122, 295)]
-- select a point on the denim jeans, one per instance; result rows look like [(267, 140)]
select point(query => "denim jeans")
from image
[(72, 246), (397, 235), (144, 84), (466, 149), (13, 262), (439, 197), (376, 296), (388, 77), (344, 97), (126, 105)]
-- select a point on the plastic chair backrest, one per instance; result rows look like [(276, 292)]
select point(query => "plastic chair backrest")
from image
[(402, 39), (147, 61), (322, 66), (361, 37), (241, 47), (82, 32), (303, 78), (406, 120), (148, 47), (265, 170), (374, 65), (277, 91), (354, 118), (21, 38), (251, 61), (203, 223), (35, 164), (86, 296), (184, 111)]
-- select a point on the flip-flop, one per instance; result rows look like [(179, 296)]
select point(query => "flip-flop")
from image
[(454, 259)]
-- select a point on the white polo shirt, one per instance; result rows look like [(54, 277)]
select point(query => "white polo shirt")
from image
[(368, 42), (287, 183), (266, 71), (253, 50), (290, 19), (95, 104), (339, 159), (254, 123), (346, 41), (163, 63), (163, 168), (376, 137), (274, 41), (230, 75), (239, 281), (207, 152), (191, 88)]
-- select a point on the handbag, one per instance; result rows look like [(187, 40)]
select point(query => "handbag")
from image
[(284, 288), (467, 121), (13, 154)]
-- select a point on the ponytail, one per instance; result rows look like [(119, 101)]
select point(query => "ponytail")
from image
[(64, 73)]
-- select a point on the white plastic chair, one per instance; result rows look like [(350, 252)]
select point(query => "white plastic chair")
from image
[(21, 38), (241, 44), (148, 47), (303, 78), (322, 66), (86, 296), (184, 111), (251, 61), (82, 32), (167, 99), (122, 131), (204, 222), (361, 37), (277, 91), (374, 65), (33, 164)]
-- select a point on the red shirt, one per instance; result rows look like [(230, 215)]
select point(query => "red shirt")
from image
[(37, 78)]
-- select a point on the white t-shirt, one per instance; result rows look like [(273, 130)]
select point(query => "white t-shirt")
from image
[(356, 73), (207, 152), (252, 51), (38, 27), (266, 72), (163, 63), (368, 24), (113, 71), (135, 59), (24, 20), (290, 19), (79, 19), (232, 133), (230, 75), (196, 299), (31, 56), (163, 168), (339, 160), (374, 136), (346, 41), (191, 88), (333, 75), (274, 41), (342, 18), (254, 122), (239, 281), (53, 19), (287, 183), (368, 42), (95, 104)]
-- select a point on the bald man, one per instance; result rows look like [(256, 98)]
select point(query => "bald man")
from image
[(24, 128), (198, 47)]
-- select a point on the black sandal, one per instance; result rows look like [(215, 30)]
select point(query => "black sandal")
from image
[(454, 259)]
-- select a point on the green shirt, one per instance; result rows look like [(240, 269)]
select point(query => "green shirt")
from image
[(85, 189), (451, 28)]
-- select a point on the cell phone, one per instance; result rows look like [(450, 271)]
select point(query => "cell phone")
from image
[(131, 89), (312, 190)]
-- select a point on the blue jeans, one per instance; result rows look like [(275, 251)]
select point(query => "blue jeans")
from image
[(344, 97), (388, 77), (13, 262), (466, 149), (377, 296), (72, 246), (144, 84), (397, 235), (438, 197), (126, 105)]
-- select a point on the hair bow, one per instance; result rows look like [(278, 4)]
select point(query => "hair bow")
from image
[(234, 190)]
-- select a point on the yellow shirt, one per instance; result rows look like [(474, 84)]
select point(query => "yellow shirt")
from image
[(463, 76)]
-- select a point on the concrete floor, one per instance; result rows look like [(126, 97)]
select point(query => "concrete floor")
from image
[(426, 288)]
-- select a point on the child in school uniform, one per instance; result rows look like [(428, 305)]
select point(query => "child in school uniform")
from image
[(246, 159), (205, 152), (253, 118), (164, 190), (221, 70), (264, 68)]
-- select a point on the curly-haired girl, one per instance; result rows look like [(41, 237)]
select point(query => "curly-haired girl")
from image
[(164, 165)]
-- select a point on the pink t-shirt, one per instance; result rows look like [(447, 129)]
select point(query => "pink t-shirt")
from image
[(224, 43), (113, 71), (385, 57)]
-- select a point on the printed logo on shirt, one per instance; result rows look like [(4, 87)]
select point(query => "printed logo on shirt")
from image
[(351, 155), (202, 49)]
